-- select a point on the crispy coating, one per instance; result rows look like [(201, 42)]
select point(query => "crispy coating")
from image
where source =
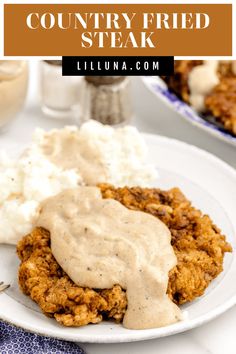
[(197, 242), (41, 277), (178, 82), (220, 103)]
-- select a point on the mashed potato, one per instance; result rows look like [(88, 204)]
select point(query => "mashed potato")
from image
[(25, 182)]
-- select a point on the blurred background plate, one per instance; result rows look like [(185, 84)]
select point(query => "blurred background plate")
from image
[(160, 90)]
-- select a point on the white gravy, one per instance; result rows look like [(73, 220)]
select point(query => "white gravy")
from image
[(99, 243), (13, 86), (68, 150), (202, 79)]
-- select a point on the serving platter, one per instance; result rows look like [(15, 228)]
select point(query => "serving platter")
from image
[(158, 87), (201, 176)]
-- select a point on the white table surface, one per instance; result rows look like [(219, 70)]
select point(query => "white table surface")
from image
[(216, 337)]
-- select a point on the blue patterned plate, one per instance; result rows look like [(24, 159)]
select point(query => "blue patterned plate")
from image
[(160, 89)]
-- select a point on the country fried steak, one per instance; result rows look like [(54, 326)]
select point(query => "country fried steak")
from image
[(220, 103), (197, 242)]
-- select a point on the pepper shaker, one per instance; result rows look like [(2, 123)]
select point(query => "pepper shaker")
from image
[(107, 99)]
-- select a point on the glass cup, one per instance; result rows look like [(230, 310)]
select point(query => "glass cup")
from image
[(59, 94)]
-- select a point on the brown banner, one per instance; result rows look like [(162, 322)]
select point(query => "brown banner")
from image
[(114, 29)]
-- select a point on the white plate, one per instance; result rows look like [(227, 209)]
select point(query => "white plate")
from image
[(160, 89), (211, 185)]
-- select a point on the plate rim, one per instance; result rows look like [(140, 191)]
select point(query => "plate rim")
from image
[(128, 338), (143, 334)]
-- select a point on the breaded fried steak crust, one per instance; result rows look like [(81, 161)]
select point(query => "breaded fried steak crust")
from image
[(220, 102), (197, 242)]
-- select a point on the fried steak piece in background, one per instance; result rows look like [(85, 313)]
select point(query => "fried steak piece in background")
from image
[(197, 242), (220, 103), (178, 83)]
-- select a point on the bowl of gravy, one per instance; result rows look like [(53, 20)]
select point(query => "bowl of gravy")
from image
[(13, 88)]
